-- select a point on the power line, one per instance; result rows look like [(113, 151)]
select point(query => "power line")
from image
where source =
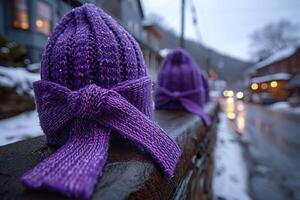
[(195, 20)]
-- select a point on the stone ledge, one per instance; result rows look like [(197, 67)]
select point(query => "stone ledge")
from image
[(129, 173)]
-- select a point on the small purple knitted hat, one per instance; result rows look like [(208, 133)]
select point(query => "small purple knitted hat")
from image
[(94, 81), (181, 85)]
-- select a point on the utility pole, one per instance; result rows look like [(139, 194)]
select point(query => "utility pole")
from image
[(182, 24)]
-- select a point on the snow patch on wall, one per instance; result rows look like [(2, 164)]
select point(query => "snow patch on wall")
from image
[(18, 78), (20, 127)]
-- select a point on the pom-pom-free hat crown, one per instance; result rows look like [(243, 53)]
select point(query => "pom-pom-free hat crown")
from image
[(181, 85), (94, 81), (88, 47)]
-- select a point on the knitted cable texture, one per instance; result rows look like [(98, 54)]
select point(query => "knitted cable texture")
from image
[(181, 85), (94, 81)]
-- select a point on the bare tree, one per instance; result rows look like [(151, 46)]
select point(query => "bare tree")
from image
[(271, 38)]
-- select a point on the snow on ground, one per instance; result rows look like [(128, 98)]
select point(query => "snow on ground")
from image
[(284, 106), (230, 180), (18, 78), (20, 127)]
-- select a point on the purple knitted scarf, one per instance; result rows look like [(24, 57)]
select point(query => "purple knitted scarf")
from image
[(94, 82), (93, 112), (164, 96)]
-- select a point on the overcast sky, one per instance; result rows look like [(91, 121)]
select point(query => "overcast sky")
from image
[(225, 25)]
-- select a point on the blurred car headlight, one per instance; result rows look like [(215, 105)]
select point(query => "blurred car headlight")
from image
[(239, 95)]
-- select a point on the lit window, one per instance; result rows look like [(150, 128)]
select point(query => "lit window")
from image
[(43, 18), (20, 14)]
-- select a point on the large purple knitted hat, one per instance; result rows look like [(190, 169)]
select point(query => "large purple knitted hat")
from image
[(181, 85), (94, 81)]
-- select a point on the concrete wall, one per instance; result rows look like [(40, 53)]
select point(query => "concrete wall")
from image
[(129, 173)]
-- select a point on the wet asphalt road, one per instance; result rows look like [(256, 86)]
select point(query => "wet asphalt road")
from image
[(272, 149)]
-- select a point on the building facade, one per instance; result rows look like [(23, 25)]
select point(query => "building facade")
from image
[(286, 61), (276, 73), (130, 14), (30, 22)]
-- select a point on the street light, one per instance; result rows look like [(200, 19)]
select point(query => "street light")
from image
[(230, 93), (274, 84), (254, 86), (264, 86), (225, 93)]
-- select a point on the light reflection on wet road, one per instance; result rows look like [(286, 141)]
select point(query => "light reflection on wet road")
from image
[(272, 143)]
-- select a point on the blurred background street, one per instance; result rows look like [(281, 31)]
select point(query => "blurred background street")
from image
[(249, 50), (271, 142)]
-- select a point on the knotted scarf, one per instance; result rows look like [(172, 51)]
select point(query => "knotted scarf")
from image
[(165, 96), (89, 115)]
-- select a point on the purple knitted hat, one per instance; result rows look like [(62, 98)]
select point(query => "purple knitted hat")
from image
[(94, 81), (181, 85)]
